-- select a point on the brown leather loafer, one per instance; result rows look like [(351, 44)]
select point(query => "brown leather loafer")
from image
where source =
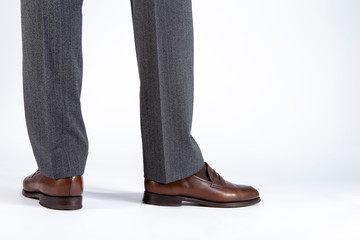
[(60, 194), (215, 193)]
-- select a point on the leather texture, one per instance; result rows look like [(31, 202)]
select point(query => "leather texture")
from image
[(64, 187), (216, 190)]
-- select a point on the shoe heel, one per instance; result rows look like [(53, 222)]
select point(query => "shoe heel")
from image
[(61, 203), (162, 200)]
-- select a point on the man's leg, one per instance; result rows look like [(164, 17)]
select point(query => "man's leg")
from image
[(52, 74), (174, 167), (164, 45)]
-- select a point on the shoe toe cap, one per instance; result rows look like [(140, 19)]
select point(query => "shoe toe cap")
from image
[(247, 192)]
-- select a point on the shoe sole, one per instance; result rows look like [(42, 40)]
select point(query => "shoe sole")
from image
[(57, 203), (169, 200)]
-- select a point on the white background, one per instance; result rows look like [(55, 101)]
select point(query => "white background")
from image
[(277, 88)]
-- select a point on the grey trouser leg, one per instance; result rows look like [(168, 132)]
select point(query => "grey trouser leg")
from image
[(52, 75), (164, 45)]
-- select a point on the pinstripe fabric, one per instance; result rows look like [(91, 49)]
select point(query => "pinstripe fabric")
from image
[(52, 74)]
